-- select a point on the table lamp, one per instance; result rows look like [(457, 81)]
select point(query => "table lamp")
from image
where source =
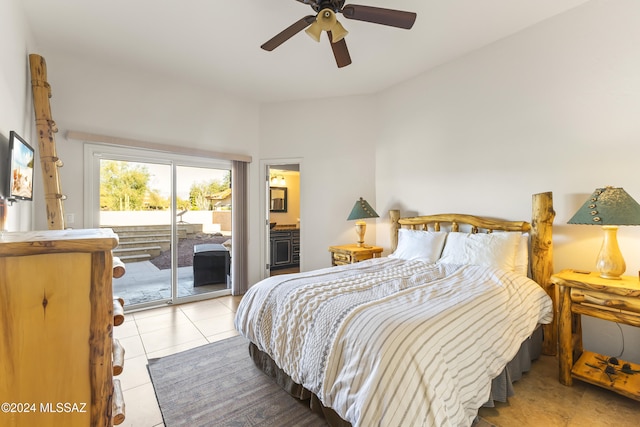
[(609, 207), (361, 211)]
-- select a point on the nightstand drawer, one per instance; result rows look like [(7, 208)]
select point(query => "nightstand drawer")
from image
[(339, 257), (606, 301)]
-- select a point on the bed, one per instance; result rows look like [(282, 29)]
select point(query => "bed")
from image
[(420, 337)]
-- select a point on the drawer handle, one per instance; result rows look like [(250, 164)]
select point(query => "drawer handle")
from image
[(118, 311), (118, 357), (117, 414), (342, 257)]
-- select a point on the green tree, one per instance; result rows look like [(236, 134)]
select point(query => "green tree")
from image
[(123, 186), (155, 201), (182, 204), (226, 181), (200, 191)]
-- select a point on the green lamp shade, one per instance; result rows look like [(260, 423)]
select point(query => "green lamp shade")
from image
[(608, 206), (362, 210)]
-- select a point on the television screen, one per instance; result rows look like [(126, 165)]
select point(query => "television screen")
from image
[(21, 156)]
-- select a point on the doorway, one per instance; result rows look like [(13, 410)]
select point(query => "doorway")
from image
[(282, 213)]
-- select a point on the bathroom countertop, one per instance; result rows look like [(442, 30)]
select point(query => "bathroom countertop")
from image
[(285, 227)]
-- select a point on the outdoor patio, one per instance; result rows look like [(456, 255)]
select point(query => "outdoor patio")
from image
[(143, 282)]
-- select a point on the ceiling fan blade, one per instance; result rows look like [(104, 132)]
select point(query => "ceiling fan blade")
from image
[(340, 51), (378, 15), (288, 32)]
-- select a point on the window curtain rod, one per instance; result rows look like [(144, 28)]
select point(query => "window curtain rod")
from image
[(91, 137)]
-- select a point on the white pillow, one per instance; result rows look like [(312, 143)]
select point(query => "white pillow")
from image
[(419, 245), (491, 250), (522, 256)]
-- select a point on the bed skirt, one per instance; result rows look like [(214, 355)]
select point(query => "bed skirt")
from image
[(501, 386)]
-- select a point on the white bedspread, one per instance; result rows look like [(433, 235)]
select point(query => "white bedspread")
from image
[(387, 342)]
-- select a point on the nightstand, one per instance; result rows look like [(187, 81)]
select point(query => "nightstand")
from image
[(349, 254), (612, 300)]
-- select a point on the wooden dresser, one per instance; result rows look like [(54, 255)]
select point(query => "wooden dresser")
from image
[(56, 318)]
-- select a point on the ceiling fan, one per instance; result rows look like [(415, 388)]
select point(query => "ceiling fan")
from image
[(325, 20)]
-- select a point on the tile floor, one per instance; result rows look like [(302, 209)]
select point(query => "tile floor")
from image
[(540, 399), (159, 332)]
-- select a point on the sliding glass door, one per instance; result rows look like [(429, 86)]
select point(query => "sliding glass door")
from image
[(135, 202), (203, 230), (173, 218)]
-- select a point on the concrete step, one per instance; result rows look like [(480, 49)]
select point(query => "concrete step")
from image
[(145, 242), (153, 229), (152, 251), (135, 258), (165, 244), (136, 231), (128, 236), (149, 234), (139, 237), (139, 227)]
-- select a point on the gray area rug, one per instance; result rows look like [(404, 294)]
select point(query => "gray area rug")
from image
[(218, 385)]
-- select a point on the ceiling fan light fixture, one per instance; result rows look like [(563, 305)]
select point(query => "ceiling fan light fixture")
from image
[(327, 19), (314, 31), (338, 32)]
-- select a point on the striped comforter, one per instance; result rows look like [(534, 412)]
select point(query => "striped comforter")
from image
[(388, 342)]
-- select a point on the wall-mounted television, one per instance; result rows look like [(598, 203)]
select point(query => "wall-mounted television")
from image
[(21, 159)]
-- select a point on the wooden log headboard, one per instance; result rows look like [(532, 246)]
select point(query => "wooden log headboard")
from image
[(541, 244)]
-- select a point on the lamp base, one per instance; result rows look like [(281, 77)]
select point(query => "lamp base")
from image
[(606, 276), (610, 262), (361, 227)]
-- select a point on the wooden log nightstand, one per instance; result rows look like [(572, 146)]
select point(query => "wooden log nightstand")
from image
[(613, 300), (349, 254)]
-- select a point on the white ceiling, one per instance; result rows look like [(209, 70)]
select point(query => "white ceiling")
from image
[(216, 43)]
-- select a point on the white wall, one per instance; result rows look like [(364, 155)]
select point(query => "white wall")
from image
[(334, 140), (553, 108), (16, 107)]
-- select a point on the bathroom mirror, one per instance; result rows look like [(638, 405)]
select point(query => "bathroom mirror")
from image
[(278, 199)]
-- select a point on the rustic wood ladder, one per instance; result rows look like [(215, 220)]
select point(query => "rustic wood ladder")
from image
[(46, 128)]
